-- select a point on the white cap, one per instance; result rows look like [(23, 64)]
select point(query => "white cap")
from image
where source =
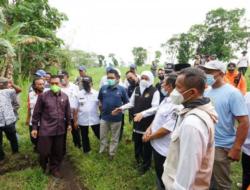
[(119, 72), (215, 65)]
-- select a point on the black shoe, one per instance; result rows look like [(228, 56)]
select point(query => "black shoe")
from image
[(143, 171), (111, 157)]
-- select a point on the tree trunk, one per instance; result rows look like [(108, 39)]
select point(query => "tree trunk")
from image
[(4, 67), (11, 68), (19, 63)]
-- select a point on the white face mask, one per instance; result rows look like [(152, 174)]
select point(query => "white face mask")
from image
[(63, 81), (144, 83), (177, 98)]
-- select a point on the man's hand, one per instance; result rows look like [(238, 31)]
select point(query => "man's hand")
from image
[(116, 111), (34, 134), (69, 128), (138, 117), (146, 135), (233, 154), (10, 83), (76, 126), (27, 122)]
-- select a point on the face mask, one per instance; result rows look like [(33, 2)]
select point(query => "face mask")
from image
[(144, 83), (161, 77), (210, 79), (131, 82), (63, 81), (111, 82), (165, 93), (86, 87), (55, 88), (177, 98)]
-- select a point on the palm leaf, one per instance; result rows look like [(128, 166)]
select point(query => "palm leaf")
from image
[(8, 45), (4, 27)]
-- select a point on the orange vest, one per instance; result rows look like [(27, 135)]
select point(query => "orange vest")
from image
[(236, 81)]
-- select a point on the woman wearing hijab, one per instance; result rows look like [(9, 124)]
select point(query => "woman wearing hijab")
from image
[(145, 102)]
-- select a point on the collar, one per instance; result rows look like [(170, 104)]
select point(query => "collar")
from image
[(198, 102), (84, 92), (53, 94), (114, 87), (66, 86)]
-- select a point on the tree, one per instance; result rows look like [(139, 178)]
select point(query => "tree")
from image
[(224, 32), (157, 56), (112, 56), (140, 55), (186, 48), (171, 47), (101, 58)]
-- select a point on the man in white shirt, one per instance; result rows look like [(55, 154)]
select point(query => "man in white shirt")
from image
[(190, 155), (86, 112), (145, 101), (160, 130), (38, 87), (71, 90), (243, 63)]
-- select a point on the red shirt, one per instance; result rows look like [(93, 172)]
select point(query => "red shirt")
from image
[(52, 111)]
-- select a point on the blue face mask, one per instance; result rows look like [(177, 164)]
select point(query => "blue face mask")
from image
[(210, 79), (111, 82), (165, 93)]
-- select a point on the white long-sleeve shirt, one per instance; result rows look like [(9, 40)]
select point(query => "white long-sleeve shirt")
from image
[(148, 112), (194, 137)]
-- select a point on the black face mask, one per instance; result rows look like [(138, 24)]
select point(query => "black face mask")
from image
[(161, 77), (131, 82)]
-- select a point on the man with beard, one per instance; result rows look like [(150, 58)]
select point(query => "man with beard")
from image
[(38, 87)]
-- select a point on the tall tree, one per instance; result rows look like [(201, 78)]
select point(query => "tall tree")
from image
[(112, 56), (140, 55), (101, 59), (157, 56), (171, 47), (185, 48)]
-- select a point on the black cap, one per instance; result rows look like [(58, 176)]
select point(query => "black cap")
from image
[(244, 51), (62, 72), (87, 79), (181, 66), (207, 55), (231, 66), (169, 67)]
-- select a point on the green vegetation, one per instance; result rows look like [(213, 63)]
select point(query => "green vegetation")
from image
[(224, 32), (95, 171)]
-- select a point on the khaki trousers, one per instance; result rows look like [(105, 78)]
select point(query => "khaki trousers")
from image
[(221, 171), (115, 128)]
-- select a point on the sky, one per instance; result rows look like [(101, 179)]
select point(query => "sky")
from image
[(116, 26)]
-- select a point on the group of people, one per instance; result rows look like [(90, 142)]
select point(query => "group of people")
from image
[(186, 121)]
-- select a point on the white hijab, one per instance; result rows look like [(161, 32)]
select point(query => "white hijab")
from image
[(151, 80)]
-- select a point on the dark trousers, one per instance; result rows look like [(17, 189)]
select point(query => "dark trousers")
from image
[(10, 133), (245, 160), (242, 70), (122, 125), (75, 136), (159, 161), (33, 140), (85, 135), (143, 152), (50, 148)]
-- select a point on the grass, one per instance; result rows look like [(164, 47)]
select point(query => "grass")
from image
[(95, 171)]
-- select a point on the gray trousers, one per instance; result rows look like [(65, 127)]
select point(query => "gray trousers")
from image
[(115, 128), (221, 171)]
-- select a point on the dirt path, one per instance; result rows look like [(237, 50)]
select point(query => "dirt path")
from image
[(69, 180)]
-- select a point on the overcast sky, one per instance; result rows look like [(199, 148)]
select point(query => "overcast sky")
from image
[(116, 26)]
